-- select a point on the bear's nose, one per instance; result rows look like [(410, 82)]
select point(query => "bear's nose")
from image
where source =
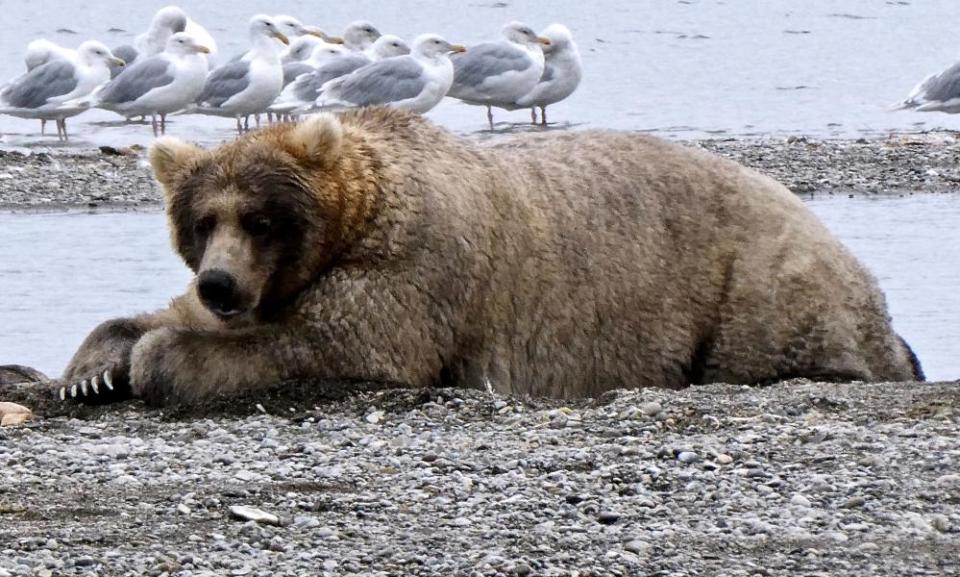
[(218, 291)]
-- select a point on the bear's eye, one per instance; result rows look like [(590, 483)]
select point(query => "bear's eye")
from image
[(203, 226), (258, 226)]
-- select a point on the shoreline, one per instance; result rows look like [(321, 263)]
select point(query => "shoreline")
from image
[(115, 180)]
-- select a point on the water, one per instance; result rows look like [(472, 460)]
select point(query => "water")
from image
[(689, 68), (62, 274)]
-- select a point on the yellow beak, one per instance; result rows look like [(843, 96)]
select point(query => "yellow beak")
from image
[(281, 37), (334, 39), (543, 40), (458, 48), (117, 61), (202, 49)]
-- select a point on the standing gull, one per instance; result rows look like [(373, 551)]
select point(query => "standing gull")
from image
[(41, 92), (160, 84), (416, 82), (244, 87), (41, 51), (326, 63), (498, 73), (562, 71)]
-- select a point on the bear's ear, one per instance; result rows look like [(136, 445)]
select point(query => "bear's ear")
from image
[(170, 157), (317, 140)]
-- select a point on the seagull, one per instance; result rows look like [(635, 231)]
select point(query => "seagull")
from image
[(360, 36), (416, 82), (935, 93), (41, 92), (498, 73), (41, 51), (244, 87), (158, 85), (299, 36), (168, 21), (562, 72), (329, 62)]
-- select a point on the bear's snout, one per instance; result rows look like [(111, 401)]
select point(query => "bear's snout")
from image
[(219, 293)]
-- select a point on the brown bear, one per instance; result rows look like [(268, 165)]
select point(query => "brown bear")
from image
[(377, 246)]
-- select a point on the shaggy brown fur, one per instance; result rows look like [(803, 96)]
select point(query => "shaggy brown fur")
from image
[(379, 247)]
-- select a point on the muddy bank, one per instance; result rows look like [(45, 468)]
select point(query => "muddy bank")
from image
[(120, 179), (798, 478)]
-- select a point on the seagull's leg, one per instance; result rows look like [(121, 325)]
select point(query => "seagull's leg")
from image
[(246, 123), (43, 127), (153, 124), (163, 123), (533, 115), (239, 126), (543, 116), (490, 117)]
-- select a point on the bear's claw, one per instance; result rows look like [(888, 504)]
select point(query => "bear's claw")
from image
[(87, 387)]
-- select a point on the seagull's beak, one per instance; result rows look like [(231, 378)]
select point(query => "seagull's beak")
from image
[(334, 39), (458, 48), (117, 61), (281, 37), (202, 49), (543, 40)]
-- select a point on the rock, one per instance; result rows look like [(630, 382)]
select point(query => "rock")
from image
[(724, 459), (608, 517), (246, 513), (799, 500), (183, 509), (637, 546), (12, 414), (651, 409), (13, 374), (688, 457)]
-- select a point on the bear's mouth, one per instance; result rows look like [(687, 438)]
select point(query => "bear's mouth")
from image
[(226, 314)]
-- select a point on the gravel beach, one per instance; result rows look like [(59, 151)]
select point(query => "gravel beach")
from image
[(119, 179), (799, 478), (795, 479)]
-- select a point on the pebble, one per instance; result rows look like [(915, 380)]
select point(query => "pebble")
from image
[(246, 513), (800, 500), (688, 457), (608, 517), (724, 459), (651, 409)]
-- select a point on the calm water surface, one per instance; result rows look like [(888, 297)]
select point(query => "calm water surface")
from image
[(61, 274), (689, 68)]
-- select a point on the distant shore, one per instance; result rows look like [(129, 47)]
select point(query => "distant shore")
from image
[(112, 179)]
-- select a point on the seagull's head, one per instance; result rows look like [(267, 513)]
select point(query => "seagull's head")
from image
[(559, 36), (171, 18), (301, 48), (389, 45), (289, 25), (262, 25), (360, 35), (432, 45), (183, 43), (93, 53), (520, 33), (323, 52)]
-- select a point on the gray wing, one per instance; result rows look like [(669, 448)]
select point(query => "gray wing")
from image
[(293, 69), (137, 80), (33, 89), (225, 82), (478, 63), (381, 82), (125, 52), (943, 86), (549, 72), (308, 87)]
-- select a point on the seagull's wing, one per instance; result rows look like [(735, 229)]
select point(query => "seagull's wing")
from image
[(138, 80), (32, 90), (473, 67), (224, 83), (382, 82)]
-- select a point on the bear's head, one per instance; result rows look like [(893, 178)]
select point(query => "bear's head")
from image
[(257, 219)]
